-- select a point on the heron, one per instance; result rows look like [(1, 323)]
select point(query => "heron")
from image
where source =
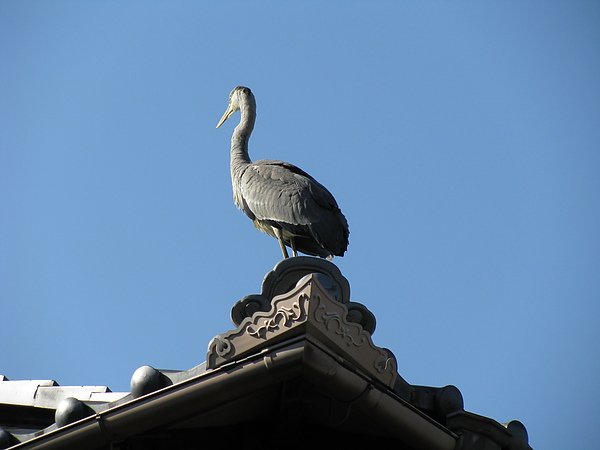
[(280, 198)]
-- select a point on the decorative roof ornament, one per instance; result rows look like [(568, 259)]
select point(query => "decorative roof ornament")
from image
[(306, 297)]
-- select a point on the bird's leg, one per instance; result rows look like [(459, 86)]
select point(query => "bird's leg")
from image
[(293, 244), (279, 235)]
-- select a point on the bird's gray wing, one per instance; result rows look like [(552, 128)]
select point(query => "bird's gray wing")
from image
[(281, 192)]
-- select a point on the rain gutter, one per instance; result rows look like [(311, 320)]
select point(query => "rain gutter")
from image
[(211, 389)]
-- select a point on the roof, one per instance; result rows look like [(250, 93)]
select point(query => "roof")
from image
[(299, 365)]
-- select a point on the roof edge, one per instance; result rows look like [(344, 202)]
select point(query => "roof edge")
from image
[(210, 389)]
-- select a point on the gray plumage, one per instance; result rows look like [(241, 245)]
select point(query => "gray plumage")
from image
[(281, 199)]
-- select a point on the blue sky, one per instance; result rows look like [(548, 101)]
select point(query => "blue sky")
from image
[(461, 140)]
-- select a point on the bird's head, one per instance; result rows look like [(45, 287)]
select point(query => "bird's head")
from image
[(238, 96)]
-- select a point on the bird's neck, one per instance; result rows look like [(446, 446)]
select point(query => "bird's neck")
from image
[(241, 136)]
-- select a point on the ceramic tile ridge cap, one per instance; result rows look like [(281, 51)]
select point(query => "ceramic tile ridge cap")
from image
[(48, 394), (50, 397), (22, 392)]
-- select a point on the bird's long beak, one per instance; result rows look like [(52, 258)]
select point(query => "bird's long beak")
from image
[(228, 112)]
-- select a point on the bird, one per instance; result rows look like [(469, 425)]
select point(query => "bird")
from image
[(280, 198)]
